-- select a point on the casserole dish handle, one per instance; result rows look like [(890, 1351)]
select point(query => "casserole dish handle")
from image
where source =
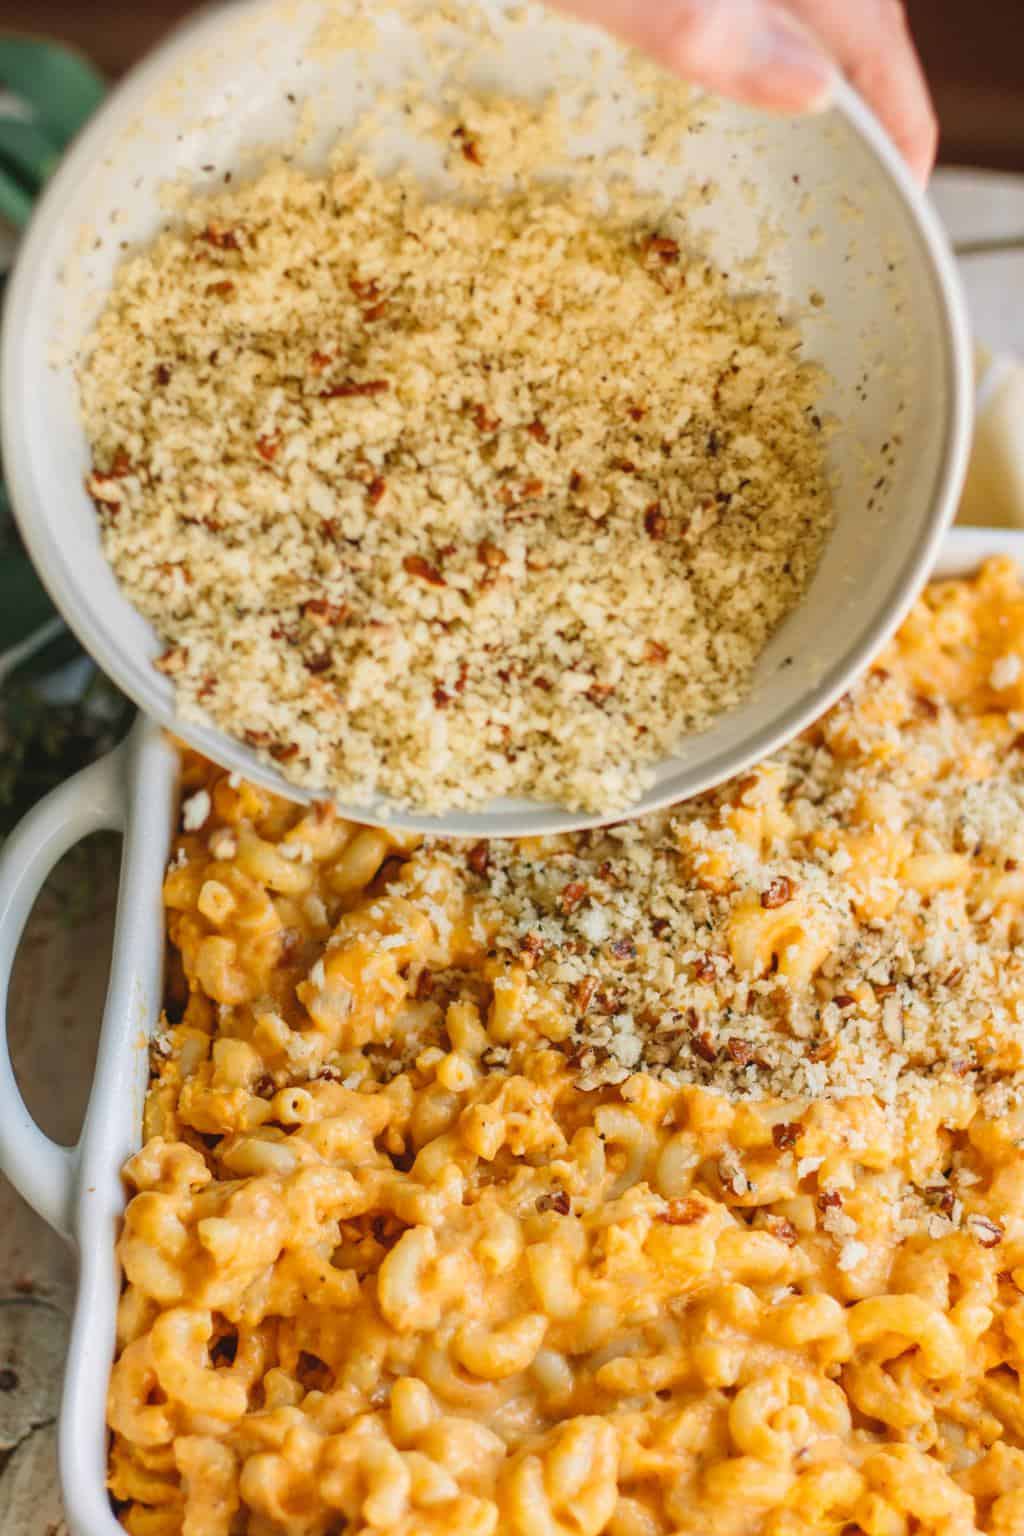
[(93, 801)]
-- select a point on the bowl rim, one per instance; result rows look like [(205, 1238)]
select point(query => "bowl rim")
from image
[(133, 673)]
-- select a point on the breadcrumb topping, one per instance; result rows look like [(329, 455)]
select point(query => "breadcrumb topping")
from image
[(449, 500), (844, 921)]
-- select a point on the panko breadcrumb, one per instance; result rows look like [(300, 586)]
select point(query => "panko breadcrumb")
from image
[(444, 500)]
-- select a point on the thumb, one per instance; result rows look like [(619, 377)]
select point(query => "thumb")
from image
[(750, 50)]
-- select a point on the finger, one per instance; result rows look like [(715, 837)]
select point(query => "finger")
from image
[(750, 50), (871, 42)]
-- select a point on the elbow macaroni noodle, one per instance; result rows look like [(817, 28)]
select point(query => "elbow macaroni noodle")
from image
[(391, 1268)]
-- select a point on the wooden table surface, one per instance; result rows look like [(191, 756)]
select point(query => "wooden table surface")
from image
[(974, 53)]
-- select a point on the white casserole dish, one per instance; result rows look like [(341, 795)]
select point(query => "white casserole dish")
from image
[(824, 206), (78, 1190)]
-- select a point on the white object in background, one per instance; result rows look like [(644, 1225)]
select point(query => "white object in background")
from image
[(79, 1191), (983, 213), (994, 284), (994, 491), (979, 208), (853, 229)]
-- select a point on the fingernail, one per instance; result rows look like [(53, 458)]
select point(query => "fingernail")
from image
[(791, 67)]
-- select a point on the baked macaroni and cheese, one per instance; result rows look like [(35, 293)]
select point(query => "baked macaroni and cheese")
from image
[(665, 1179)]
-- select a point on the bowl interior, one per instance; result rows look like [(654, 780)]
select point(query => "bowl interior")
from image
[(819, 209)]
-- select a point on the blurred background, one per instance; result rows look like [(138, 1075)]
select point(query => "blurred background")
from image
[(973, 51)]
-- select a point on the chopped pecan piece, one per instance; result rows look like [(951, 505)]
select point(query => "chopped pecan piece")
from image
[(942, 1196), (704, 1046), (491, 556), (777, 893), (704, 969), (284, 751), (222, 239), (484, 421), (416, 565), (683, 1212), (531, 947), (655, 652), (366, 290), (320, 612), (740, 1051), (539, 432), (986, 1232), (172, 661), (267, 447), (830, 1200), (583, 993), (376, 491), (655, 522), (786, 1136), (478, 858), (222, 290), (104, 488), (663, 249), (784, 1230), (556, 1200), (573, 895), (470, 147)]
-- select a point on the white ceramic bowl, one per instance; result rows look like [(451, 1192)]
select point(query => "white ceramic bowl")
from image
[(850, 226), (78, 1190)]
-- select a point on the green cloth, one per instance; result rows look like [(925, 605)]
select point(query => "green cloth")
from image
[(57, 711)]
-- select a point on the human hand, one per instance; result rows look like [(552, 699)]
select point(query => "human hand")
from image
[(783, 55)]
